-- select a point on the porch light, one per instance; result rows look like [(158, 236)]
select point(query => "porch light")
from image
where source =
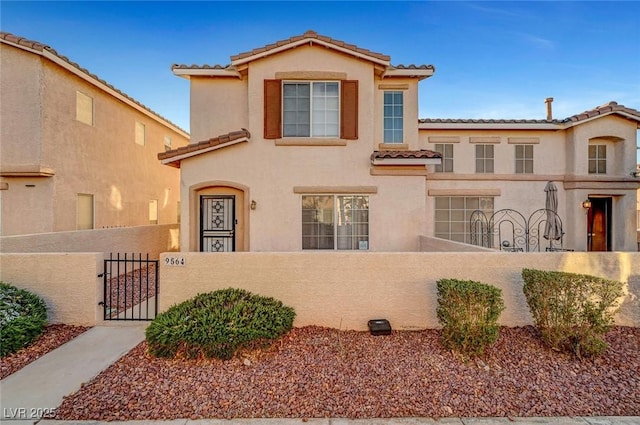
[(254, 204), (586, 204)]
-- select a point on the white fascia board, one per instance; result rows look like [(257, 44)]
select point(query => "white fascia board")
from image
[(408, 72), (66, 65), (201, 151), (306, 41), (205, 72), (406, 161), (489, 126)]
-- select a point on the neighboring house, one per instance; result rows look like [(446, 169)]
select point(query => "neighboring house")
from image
[(75, 152), (311, 143)]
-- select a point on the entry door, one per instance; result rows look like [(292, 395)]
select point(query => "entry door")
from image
[(599, 225), (217, 223)]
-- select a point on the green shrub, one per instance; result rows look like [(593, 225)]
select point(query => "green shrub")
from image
[(468, 312), (217, 324), (23, 316), (572, 311)]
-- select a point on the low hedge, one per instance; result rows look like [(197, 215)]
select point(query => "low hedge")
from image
[(572, 311), (218, 324), (468, 312), (23, 317)]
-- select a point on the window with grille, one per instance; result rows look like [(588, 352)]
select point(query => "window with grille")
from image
[(484, 158), (524, 159), (335, 222), (393, 117), (446, 149), (452, 215), (311, 109), (597, 159)]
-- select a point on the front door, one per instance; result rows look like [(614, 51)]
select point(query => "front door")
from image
[(599, 225), (217, 223)]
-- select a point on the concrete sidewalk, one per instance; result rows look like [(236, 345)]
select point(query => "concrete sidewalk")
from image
[(605, 420), (38, 388)]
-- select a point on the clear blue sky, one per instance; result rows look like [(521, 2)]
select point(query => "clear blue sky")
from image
[(492, 59)]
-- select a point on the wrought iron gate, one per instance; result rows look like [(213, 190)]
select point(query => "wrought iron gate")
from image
[(509, 230), (217, 223), (130, 287)]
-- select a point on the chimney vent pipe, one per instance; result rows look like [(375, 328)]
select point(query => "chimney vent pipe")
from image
[(549, 101)]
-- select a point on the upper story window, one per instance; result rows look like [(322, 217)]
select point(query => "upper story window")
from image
[(335, 222), (484, 158), (597, 159), (393, 117), (141, 133), (84, 108), (167, 143), (446, 149), (524, 159), (311, 109), (322, 109)]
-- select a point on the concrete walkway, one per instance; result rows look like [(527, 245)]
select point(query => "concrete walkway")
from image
[(39, 388)]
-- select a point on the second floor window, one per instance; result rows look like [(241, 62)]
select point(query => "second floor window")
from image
[(484, 158), (311, 109), (597, 159), (141, 133), (393, 117), (524, 159), (446, 149)]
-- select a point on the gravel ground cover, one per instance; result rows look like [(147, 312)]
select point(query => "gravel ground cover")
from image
[(319, 372), (52, 337), (126, 290)]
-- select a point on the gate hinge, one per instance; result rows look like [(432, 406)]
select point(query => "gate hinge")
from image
[(101, 275)]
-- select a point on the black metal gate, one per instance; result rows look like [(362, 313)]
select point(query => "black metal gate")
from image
[(509, 230), (130, 287)]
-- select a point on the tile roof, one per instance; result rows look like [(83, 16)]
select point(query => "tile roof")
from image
[(310, 35), (214, 141), (37, 46), (296, 40), (422, 153), (606, 109)]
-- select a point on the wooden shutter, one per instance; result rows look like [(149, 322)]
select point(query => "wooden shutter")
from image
[(272, 109), (349, 110)]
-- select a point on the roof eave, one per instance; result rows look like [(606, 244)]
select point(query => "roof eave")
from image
[(304, 41), (406, 161), (205, 72), (421, 74), (174, 161)]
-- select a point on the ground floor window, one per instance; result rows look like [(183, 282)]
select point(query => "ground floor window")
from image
[(452, 215), (84, 211), (335, 222)]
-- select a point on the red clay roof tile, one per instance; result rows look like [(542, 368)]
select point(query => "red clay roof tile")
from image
[(214, 141), (422, 153)]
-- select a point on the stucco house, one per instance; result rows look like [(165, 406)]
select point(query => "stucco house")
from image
[(312, 143), (75, 152)]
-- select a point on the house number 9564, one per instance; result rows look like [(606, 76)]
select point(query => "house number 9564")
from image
[(174, 261)]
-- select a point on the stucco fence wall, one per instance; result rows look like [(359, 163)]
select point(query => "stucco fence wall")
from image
[(68, 283), (153, 240), (345, 290)]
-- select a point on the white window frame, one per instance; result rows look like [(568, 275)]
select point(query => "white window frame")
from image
[(392, 122), (313, 101), (598, 160), (455, 217), (482, 158), (446, 150), (357, 242), (524, 159)]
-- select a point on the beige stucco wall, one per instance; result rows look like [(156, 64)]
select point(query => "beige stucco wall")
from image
[(559, 156), (151, 240), (346, 289), (270, 171), (102, 160), (68, 283)]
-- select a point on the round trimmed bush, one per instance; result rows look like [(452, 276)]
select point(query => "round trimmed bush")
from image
[(218, 324), (23, 316)]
